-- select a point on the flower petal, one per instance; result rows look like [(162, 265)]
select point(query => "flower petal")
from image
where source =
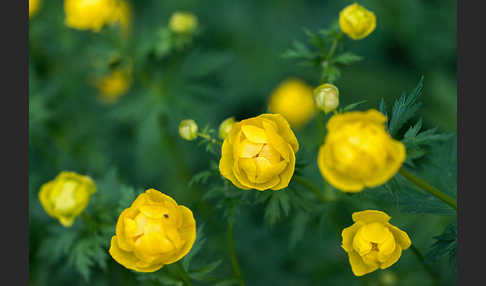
[(370, 216), (401, 237), (358, 266), (254, 134)]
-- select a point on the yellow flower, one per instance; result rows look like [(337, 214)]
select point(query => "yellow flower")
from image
[(259, 153), (293, 99), (326, 97), (356, 21), (152, 232), (183, 22), (33, 7), (114, 85), (225, 127), (372, 242), (358, 152), (188, 129), (89, 14), (66, 196)]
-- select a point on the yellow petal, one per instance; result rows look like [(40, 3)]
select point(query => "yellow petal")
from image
[(153, 211), (254, 134), (270, 154), (249, 167), (44, 195), (286, 174), (401, 237), (392, 258), (348, 235), (283, 129), (121, 233), (370, 216), (386, 248), (375, 232), (66, 221), (358, 267), (187, 232), (128, 260), (277, 142), (226, 163), (249, 149)]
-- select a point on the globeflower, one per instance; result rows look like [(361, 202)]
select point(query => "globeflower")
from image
[(358, 152), (183, 22), (259, 153), (188, 129), (372, 242), (65, 197), (115, 84), (152, 232), (326, 97), (293, 99), (91, 14), (356, 21), (34, 6)]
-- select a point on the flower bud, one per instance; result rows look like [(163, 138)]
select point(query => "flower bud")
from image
[(225, 127), (188, 129), (356, 21), (183, 22), (65, 197), (326, 97)]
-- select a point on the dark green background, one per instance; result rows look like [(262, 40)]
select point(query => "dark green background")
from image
[(234, 65)]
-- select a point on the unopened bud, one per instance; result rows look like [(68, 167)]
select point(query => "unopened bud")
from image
[(225, 127), (188, 129), (326, 97)]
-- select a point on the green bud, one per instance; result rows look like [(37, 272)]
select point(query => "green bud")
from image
[(326, 97), (188, 129), (225, 127)]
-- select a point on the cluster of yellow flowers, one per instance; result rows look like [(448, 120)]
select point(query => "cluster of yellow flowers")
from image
[(257, 153)]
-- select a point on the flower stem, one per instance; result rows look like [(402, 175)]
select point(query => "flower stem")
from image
[(320, 126), (311, 188), (427, 268), (183, 274), (333, 48), (231, 248), (430, 189), (209, 138)]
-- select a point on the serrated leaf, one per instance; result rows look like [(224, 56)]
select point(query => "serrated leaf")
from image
[(404, 109), (197, 246), (351, 106), (200, 178), (445, 244), (88, 252), (200, 274)]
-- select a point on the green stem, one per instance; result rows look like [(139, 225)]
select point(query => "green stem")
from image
[(320, 126), (183, 274), (427, 268), (209, 138), (231, 248), (311, 188), (430, 189), (333, 48)]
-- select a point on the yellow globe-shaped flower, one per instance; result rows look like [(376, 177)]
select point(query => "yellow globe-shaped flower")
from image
[(372, 242), (358, 152), (183, 22), (356, 21), (114, 85), (152, 232), (294, 100), (89, 14), (65, 197), (259, 153)]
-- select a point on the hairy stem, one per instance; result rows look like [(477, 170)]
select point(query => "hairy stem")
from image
[(430, 189), (231, 248)]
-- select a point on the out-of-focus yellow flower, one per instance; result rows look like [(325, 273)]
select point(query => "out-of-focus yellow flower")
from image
[(114, 85), (123, 15), (326, 97), (293, 99), (259, 153), (225, 127), (34, 6), (358, 152), (188, 129), (183, 22), (66, 196), (152, 232), (372, 242), (356, 21), (90, 14)]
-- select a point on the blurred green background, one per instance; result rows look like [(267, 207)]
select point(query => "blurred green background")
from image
[(230, 71)]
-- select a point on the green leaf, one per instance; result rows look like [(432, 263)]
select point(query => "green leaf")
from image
[(196, 248), (201, 274), (346, 58), (330, 73), (200, 178), (404, 109), (88, 252), (445, 245), (278, 203), (351, 106), (127, 196)]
